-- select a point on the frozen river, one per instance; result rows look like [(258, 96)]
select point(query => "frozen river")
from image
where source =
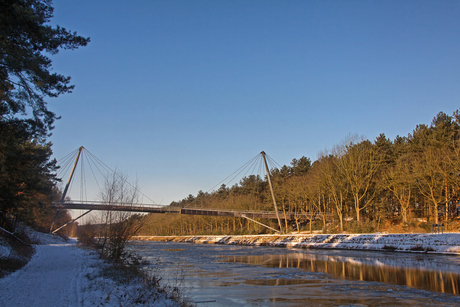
[(225, 275)]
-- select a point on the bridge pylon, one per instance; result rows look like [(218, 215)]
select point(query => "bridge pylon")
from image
[(64, 193), (271, 190)]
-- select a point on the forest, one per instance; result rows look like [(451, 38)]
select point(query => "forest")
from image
[(360, 185), (28, 181)]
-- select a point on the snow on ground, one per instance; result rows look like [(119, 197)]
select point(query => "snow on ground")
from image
[(448, 243), (62, 274), (5, 248)]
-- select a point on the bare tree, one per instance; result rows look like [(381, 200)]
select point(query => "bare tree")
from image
[(359, 164), (431, 171), (400, 181), (296, 199), (335, 182), (118, 226)]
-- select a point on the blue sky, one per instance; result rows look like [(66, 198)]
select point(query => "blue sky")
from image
[(179, 94)]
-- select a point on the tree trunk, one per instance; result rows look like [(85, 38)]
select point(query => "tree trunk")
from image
[(297, 223), (356, 200), (285, 219), (341, 220), (447, 202)]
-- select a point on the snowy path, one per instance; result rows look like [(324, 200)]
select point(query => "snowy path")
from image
[(52, 278), (62, 274)]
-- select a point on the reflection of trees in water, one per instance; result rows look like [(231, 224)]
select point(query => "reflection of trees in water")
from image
[(361, 269)]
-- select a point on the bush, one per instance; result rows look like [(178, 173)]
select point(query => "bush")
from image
[(389, 248), (87, 238), (151, 290), (425, 226), (419, 248), (361, 227)]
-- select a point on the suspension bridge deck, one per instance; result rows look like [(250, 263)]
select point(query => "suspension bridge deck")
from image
[(106, 207), (166, 209)]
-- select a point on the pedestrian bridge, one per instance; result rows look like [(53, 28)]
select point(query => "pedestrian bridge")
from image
[(153, 208), (142, 208)]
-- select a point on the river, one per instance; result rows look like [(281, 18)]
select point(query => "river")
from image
[(226, 275)]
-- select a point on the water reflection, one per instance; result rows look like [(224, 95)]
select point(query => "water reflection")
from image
[(283, 282), (386, 270), (206, 276)]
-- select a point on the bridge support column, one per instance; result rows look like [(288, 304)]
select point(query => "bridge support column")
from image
[(271, 190), (67, 187)]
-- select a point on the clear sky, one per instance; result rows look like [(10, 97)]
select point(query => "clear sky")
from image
[(182, 93)]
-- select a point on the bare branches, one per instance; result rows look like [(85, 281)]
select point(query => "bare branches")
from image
[(118, 227)]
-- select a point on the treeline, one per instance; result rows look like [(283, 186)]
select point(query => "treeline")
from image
[(359, 185), (28, 183), (27, 173)]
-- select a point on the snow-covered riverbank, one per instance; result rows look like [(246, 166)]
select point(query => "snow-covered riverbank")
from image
[(62, 274), (448, 243)]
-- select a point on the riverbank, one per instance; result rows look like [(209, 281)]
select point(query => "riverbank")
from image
[(447, 243), (62, 274)]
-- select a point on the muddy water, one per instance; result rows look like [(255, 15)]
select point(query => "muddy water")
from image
[(222, 275)]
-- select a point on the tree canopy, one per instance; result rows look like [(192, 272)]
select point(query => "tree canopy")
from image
[(27, 173), (25, 69)]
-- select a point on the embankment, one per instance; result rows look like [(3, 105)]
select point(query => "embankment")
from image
[(448, 243)]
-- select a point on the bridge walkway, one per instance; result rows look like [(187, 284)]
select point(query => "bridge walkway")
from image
[(166, 209)]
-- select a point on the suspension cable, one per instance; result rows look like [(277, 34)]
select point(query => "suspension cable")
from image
[(94, 163), (235, 173), (66, 162), (112, 172), (94, 175)]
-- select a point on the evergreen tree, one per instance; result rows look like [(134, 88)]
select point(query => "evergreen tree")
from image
[(301, 166), (25, 70), (27, 174)]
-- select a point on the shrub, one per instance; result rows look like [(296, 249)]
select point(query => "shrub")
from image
[(420, 248), (87, 238), (389, 248), (361, 227)]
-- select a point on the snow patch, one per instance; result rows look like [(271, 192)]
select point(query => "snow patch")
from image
[(5, 248), (448, 243)]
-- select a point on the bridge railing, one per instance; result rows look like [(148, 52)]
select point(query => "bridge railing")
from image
[(77, 202), (229, 210), (154, 208), (289, 215), (281, 213)]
